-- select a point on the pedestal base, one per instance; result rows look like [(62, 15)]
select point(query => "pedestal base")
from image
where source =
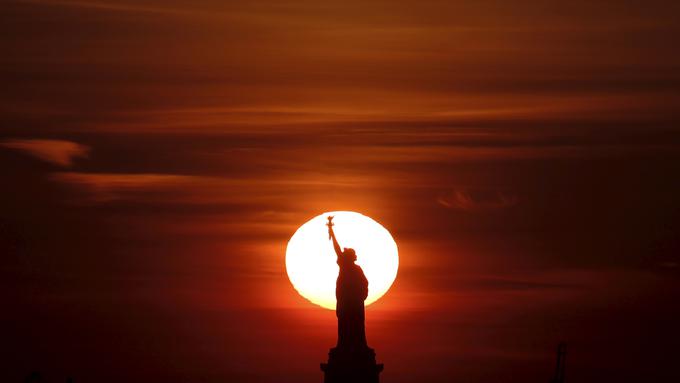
[(351, 366)]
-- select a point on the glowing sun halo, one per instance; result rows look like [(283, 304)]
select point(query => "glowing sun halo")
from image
[(311, 261)]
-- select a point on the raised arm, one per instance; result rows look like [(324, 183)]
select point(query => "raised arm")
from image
[(336, 246)]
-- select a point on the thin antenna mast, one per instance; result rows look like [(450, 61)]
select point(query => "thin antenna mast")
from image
[(560, 366)]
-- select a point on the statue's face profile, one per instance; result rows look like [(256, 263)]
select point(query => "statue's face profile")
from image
[(349, 254)]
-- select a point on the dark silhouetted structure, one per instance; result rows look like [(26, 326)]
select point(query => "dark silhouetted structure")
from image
[(559, 367), (34, 377), (351, 360)]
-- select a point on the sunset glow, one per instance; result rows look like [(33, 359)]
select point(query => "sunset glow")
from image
[(168, 168), (311, 261)]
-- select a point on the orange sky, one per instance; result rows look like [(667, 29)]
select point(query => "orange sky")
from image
[(158, 155)]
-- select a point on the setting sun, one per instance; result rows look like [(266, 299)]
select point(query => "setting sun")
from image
[(311, 261)]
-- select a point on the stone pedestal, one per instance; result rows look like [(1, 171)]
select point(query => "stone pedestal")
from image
[(351, 366)]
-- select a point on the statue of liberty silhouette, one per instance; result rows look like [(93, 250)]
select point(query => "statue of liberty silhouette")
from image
[(351, 360), (351, 289)]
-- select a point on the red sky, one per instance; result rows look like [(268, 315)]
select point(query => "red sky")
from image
[(156, 157)]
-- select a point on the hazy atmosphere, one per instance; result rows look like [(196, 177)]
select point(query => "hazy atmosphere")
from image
[(157, 156)]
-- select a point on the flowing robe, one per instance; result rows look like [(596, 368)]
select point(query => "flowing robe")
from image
[(351, 290)]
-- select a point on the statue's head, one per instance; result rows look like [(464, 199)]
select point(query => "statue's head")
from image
[(349, 254)]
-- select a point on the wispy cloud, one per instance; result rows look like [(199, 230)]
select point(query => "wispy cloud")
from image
[(102, 5), (102, 187), (190, 189), (477, 200), (57, 152)]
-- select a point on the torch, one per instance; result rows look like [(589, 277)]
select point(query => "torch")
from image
[(330, 225)]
